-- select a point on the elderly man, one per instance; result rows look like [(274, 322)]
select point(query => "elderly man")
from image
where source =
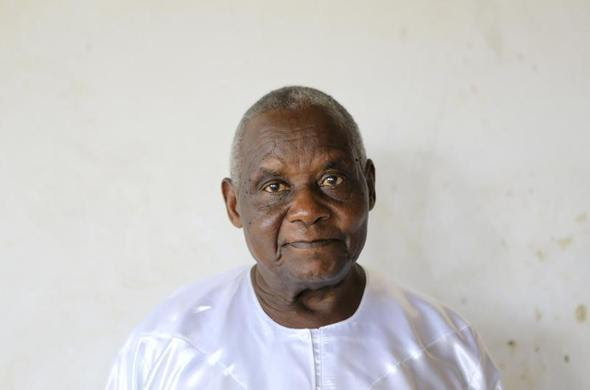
[(306, 316)]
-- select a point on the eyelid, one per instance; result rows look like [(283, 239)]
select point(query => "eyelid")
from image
[(338, 176), (334, 172), (267, 179), (274, 181)]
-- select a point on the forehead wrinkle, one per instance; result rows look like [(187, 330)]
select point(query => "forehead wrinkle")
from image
[(286, 146), (279, 135), (308, 142), (323, 158), (271, 162), (268, 163)]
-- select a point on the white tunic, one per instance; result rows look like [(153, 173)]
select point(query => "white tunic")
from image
[(214, 335)]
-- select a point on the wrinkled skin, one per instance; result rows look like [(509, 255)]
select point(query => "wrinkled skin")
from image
[(303, 202)]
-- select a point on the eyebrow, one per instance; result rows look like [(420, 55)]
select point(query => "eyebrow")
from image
[(264, 173), (268, 172), (339, 163), (336, 162)]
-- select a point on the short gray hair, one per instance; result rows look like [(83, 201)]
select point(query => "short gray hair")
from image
[(294, 98)]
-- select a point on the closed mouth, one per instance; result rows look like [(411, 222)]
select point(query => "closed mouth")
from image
[(311, 244)]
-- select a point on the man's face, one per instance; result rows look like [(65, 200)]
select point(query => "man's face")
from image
[(304, 196)]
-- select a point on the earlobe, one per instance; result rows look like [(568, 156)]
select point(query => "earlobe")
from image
[(230, 198), (370, 177)]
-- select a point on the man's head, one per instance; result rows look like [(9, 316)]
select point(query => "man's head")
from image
[(301, 186), (294, 98)]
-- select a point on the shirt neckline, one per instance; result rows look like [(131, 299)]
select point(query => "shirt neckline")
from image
[(348, 321)]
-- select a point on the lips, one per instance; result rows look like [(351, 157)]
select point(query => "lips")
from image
[(305, 244)]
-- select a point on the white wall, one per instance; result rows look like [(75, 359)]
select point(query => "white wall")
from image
[(115, 124)]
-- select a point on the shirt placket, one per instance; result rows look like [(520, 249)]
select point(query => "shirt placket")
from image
[(316, 342)]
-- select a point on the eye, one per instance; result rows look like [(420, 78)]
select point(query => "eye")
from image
[(330, 181), (275, 187)]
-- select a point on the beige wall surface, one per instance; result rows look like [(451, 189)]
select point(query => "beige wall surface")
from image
[(115, 124)]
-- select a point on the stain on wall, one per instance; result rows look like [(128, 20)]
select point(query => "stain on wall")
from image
[(581, 313), (564, 242)]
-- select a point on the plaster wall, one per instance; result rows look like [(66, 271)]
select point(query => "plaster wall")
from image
[(115, 124)]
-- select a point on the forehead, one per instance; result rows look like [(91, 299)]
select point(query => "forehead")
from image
[(288, 136)]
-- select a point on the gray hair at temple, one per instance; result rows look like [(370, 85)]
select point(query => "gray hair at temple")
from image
[(294, 98)]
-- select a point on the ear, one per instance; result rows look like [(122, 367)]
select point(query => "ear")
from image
[(370, 178), (230, 197)]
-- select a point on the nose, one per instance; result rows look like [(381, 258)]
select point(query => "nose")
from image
[(306, 208)]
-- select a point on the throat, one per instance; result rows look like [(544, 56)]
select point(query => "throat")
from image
[(310, 308)]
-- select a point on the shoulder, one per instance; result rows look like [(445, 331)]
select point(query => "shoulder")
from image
[(426, 333), (195, 303), (410, 310), (181, 328)]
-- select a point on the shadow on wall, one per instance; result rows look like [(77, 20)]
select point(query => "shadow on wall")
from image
[(435, 226)]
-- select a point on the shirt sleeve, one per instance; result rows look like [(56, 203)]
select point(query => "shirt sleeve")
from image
[(476, 363), (134, 363), (168, 363), (455, 361)]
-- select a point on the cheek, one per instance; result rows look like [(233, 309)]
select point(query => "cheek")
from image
[(354, 213), (357, 230), (353, 222), (261, 228), (356, 237)]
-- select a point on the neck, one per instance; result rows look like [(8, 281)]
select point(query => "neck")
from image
[(310, 308)]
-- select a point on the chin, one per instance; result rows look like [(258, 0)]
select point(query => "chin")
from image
[(318, 271)]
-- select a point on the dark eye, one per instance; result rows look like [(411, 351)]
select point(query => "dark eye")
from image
[(275, 187), (330, 181)]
